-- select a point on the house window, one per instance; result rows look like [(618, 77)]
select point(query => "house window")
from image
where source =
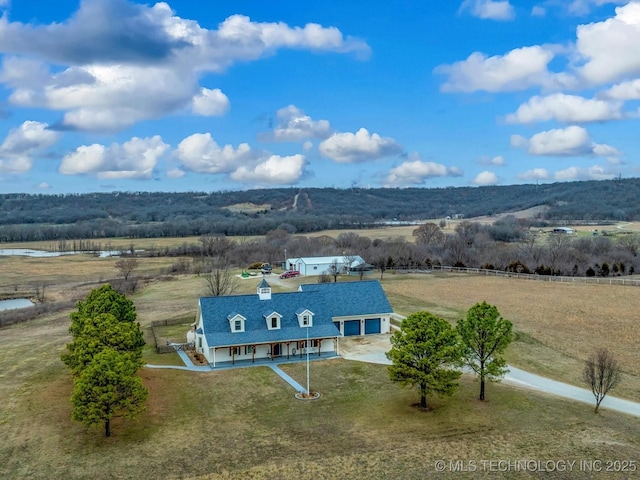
[(315, 268), (311, 343), (238, 325), (274, 322), (248, 349), (305, 320), (199, 342), (234, 351)]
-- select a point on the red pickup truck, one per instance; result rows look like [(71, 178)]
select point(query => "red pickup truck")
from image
[(289, 274)]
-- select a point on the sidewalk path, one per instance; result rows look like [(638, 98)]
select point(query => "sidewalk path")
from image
[(288, 379), (188, 364)]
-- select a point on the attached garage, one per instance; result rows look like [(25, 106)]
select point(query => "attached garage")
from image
[(372, 325), (351, 327)]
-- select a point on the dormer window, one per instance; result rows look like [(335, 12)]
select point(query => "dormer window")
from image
[(305, 317), (273, 320), (236, 322)]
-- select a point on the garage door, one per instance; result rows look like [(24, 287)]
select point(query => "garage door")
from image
[(352, 327), (372, 325)]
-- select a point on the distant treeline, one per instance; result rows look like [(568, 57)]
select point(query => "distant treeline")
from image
[(26, 217)]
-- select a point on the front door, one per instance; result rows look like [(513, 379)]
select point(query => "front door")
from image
[(277, 350)]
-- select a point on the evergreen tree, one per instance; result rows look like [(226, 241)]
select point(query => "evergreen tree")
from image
[(423, 353), (101, 332), (108, 388), (102, 305)]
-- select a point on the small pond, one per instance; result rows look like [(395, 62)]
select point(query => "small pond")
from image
[(27, 252), (15, 304)]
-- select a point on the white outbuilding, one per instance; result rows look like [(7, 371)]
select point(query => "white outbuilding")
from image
[(320, 265)]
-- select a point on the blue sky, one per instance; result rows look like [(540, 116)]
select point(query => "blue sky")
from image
[(106, 95)]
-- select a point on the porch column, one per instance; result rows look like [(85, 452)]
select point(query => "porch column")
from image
[(288, 350), (233, 355), (319, 346), (253, 353), (214, 357)]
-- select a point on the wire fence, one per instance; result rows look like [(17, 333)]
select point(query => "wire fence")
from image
[(631, 282)]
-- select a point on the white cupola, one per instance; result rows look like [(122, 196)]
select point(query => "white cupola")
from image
[(264, 290)]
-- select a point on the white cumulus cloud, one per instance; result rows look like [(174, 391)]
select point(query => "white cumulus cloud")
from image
[(497, 161), (572, 141), (210, 102), (489, 9), (293, 125), (22, 144), (535, 174), (200, 153), (114, 63), (486, 178), (176, 173), (596, 172), (519, 69), (275, 170), (416, 172), (624, 91), (610, 47), (358, 147), (538, 11), (567, 109), (584, 7), (136, 158)]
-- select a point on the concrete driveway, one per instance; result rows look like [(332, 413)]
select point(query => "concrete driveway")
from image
[(370, 348)]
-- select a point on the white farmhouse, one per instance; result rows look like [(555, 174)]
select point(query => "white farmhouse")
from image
[(271, 325)]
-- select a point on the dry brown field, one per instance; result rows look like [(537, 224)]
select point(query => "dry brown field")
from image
[(557, 325)]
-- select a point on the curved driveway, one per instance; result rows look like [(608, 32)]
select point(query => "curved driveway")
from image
[(372, 349)]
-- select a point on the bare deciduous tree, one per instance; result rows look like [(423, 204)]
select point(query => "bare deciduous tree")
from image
[(126, 266), (39, 291), (324, 278), (557, 248), (631, 243), (348, 262), (216, 245), (429, 234), (334, 269), (601, 373), (219, 278)]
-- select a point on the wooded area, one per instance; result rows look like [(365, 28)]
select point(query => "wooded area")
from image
[(26, 217)]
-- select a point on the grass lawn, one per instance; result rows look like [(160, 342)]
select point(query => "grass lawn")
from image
[(247, 424)]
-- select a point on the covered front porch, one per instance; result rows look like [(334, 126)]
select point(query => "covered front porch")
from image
[(274, 351), (261, 362)]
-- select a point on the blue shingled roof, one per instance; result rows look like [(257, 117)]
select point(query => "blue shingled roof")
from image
[(326, 300)]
